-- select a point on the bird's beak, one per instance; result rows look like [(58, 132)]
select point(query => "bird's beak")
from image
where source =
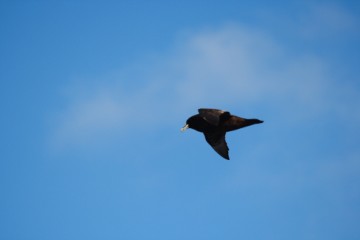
[(184, 128)]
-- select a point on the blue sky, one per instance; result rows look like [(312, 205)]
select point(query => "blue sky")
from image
[(94, 93)]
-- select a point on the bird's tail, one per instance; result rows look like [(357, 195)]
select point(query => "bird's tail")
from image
[(237, 122), (253, 121)]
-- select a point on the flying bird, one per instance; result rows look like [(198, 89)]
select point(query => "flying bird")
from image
[(214, 124)]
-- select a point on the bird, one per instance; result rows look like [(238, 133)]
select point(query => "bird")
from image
[(215, 123)]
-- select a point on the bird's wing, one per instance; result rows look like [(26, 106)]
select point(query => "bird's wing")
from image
[(213, 116), (218, 143)]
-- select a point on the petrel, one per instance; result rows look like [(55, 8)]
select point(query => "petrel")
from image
[(214, 124)]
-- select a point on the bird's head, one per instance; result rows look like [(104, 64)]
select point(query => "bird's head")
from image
[(192, 122)]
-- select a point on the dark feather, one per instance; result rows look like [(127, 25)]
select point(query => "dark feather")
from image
[(214, 124), (218, 143), (213, 116)]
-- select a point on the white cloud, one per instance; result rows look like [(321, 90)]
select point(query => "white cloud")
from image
[(230, 66), (246, 66)]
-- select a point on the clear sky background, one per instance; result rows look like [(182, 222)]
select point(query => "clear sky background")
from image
[(94, 93)]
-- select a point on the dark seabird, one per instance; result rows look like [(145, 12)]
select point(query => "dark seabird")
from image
[(214, 124)]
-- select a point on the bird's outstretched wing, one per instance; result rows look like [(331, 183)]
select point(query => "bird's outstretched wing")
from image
[(218, 143), (213, 116)]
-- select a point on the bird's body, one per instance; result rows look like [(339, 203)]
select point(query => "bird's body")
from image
[(214, 124)]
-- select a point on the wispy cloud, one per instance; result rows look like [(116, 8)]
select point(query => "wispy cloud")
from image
[(229, 66)]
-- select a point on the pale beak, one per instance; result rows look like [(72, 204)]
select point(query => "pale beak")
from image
[(184, 128)]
